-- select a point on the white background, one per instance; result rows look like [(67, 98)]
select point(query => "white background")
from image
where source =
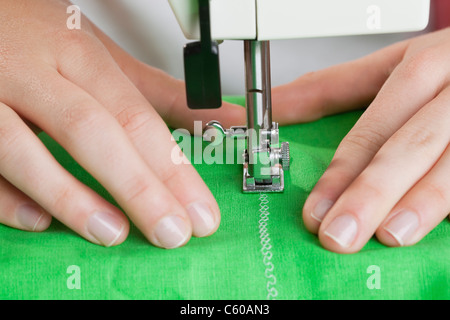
[(149, 31)]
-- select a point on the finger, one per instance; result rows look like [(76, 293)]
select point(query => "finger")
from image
[(98, 143), (340, 88), (421, 209), (19, 211), (402, 161), (150, 136), (27, 164), (167, 94), (175, 111), (390, 110)]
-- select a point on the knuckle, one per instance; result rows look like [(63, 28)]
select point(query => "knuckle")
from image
[(416, 140), (366, 139), (140, 187), (372, 189), (133, 119), (171, 175), (420, 64), (339, 172), (72, 41), (135, 188), (76, 119), (438, 193), (10, 135), (62, 201), (78, 47)]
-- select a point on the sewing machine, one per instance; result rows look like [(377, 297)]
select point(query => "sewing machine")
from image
[(256, 22)]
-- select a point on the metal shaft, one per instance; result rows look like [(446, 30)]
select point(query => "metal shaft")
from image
[(258, 85), (259, 105)]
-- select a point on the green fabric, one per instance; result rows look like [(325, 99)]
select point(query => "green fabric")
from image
[(259, 252)]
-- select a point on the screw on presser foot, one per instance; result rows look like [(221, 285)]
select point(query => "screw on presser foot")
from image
[(214, 130), (284, 156), (266, 174)]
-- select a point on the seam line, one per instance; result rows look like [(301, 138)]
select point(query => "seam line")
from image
[(266, 247)]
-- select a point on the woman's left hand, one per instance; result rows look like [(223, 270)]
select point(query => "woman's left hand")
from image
[(390, 174)]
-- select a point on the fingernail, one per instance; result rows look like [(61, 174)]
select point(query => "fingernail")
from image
[(171, 232), (202, 218), (321, 209), (343, 230), (105, 227), (403, 225), (29, 216)]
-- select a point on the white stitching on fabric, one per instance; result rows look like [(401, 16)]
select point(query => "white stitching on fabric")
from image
[(266, 247)]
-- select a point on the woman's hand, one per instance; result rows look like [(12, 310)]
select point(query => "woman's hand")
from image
[(106, 109), (390, 174)]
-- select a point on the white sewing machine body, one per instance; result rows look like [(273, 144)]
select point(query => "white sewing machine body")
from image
[(257, 22), (289, 19)]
